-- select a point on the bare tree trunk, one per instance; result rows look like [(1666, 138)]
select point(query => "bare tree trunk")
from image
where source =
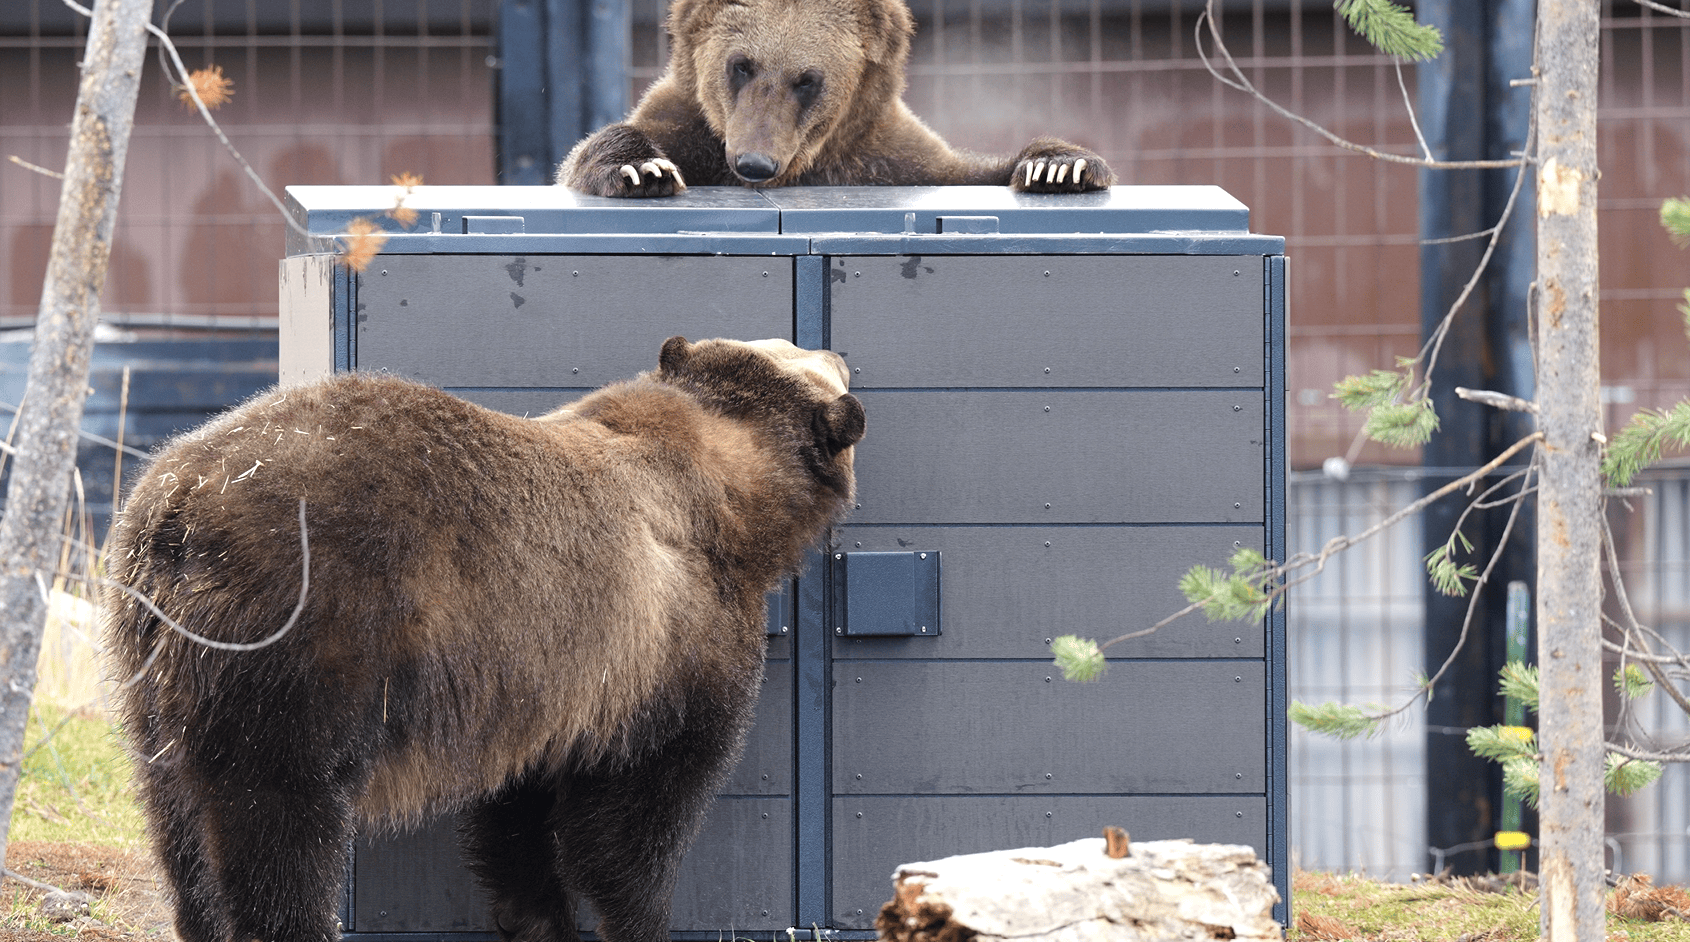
[(58, 363), (1570, 492)]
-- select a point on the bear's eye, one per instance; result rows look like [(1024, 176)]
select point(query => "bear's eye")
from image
[(740, 71), (807, 87)]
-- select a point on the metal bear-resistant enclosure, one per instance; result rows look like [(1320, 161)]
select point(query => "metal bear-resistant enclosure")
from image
[(1070, 399)]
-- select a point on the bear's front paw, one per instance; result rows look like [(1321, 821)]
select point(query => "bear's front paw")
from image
[(1059, 167), (620, 161)]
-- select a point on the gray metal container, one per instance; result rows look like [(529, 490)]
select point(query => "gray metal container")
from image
[(1071, 400)]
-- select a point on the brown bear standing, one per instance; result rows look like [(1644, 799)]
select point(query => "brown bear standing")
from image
[(797, 92), (554, 625)]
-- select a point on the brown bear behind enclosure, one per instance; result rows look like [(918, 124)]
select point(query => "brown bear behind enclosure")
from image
[(555, 624), (787, 93)]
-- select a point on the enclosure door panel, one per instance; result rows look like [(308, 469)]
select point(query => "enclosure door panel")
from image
[(873, 835), (996, 727), (558, 320), (1054, 320), (1059, 456)]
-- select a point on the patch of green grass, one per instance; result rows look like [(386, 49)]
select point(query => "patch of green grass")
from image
[(78, 786)]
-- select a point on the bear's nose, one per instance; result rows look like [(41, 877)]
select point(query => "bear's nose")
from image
[(755, 168)]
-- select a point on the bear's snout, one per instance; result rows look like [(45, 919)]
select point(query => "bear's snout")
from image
[(755, 168)]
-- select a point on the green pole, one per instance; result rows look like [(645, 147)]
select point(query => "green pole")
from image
[(1514, 714)]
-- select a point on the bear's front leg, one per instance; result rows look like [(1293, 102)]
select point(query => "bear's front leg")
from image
[(1049, 165), (620, 160)]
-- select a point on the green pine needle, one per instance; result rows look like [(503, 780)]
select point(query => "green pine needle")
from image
[(1520, 682), (1391, 28), (1624, 776), (1519, 779), (1675, 216), (1642, 441), (1632, 682), (1079, 658), (1402, 424), (1448, 577), (1378, 388), (1338, 720), (1499, 743)]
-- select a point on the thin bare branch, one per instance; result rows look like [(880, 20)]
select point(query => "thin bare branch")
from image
[(1663, 8), (43, 887), (14, 158), (1496, 400), (1240, 82), (1408, 105), (1636, 637), (304, 589), (1632, 752)]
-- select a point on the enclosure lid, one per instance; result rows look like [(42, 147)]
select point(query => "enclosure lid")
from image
[(785, 221), (972, 210), (483, 211)]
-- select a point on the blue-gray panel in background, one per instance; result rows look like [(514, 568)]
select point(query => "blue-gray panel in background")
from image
[(416, 882), (1041, 321), (873, 835), (997, 727), (497, 321), (1006, 590), (917, 210), (1061, 456)]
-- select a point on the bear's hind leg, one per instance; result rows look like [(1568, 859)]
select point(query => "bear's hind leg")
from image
[(512, 849), (281, 860), (624, 833), (176, 821)]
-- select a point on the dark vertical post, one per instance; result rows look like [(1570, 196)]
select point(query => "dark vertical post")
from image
[(1468, 111), (563, 73)]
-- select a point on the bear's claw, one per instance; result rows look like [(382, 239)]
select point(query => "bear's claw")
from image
[(655, 167)]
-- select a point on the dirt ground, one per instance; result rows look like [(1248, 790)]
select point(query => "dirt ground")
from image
[(128, 901)]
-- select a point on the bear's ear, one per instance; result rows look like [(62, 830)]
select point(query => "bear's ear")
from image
[(840, 424), (676, 352), (890, 26)]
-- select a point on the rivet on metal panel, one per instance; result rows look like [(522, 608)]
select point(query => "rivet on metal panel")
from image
[(1237, 543), (859, 544), (783, 629), (765, 912), (1238, 775), (859, 680), (1236, 680), (1234, 640), (1047, 776), (1047, 369), (921, 555), (858, 371), (1047, 408), (838, 631), (1235, 274), (859, 912), (765, 274), (1047, 641), (765, 816), (1238, 814), (765, 776), (924, 629), (838, 555), (574, 371), (1047, 544), (1238, 369), (1047, 506), (1238, 408), (856, 274), (1047, 814), (1237, 505), (384, 273), (859, 814), (1047, 274), (1047, 680), (859, 776)]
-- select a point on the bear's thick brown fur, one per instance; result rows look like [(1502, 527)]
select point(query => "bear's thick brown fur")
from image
[(794, 92), (553, 624)]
